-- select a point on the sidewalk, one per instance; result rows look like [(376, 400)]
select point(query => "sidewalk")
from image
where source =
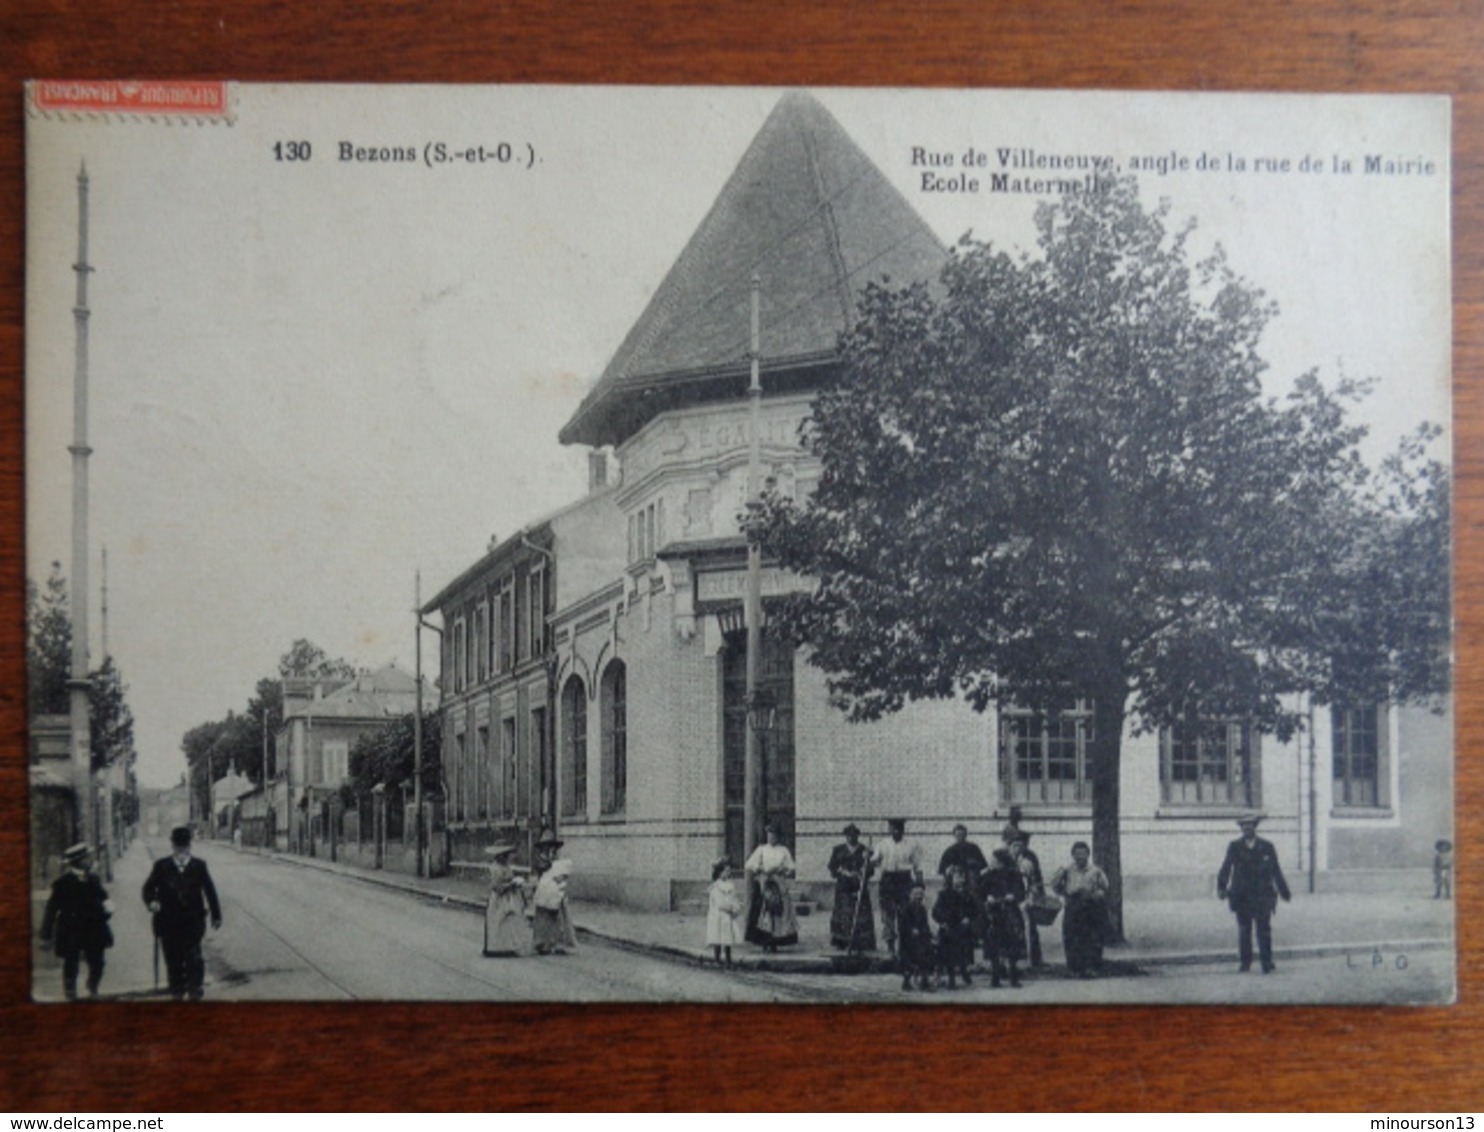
[(1160, 932)]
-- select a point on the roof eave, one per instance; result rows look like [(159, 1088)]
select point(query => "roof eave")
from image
[(592, 423)]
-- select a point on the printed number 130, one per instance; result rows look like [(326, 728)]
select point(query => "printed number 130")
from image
[(291, 151)]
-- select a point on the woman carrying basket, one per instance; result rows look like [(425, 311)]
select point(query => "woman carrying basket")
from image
[(1084, 924)]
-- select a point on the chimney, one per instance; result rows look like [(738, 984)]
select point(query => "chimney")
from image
[(597, 470)]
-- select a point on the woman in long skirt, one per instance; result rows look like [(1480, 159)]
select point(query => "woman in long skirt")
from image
[(505, 928), (1084, 922), (770, 916), (852, 923)]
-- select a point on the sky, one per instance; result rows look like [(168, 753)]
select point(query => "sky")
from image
[(312, 380)]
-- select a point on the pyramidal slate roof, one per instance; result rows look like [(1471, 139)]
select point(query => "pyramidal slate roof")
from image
[(809, 214)]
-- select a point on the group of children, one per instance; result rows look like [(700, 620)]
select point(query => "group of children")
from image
[(963, 917)]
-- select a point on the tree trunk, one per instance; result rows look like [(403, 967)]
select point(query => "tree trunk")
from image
[(1105, 754)]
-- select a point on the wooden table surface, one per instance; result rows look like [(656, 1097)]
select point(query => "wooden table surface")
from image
[(120, 1057)]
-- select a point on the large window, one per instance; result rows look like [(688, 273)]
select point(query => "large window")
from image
[(615, 727), (537, 591), (494, 633), (481, 648), (482, 769), (507, 625), (646, 532), (459, 655), (458, 777), (1209, 761), (336, 759), (574, 749), (1044, 752), (507, 785), (1359, 741)]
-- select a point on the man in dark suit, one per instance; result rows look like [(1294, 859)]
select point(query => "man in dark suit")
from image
[(76, 919), (1251, 882), (179, 892)]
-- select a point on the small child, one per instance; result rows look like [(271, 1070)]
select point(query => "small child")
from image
[(955, 912), (915, 940), (723, 913), (1442, 870)]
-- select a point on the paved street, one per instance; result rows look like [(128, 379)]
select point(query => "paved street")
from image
[(301, 933), (306, 933)]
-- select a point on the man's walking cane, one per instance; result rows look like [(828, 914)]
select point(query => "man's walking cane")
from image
[(157, 962)]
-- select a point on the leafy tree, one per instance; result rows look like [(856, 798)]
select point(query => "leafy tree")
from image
[(48, 644), (264, 715), (110, 719), (386, 756), (197, 745), (49, 667), (305, 658), (1057, 475), (213, 749)]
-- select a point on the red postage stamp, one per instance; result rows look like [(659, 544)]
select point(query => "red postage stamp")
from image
[(184, 100)]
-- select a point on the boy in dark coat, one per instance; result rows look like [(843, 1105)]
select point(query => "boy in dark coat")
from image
[(76, 919), (915, 940), (1251, 882), (956, 912), (179, 892), (1003, 887)]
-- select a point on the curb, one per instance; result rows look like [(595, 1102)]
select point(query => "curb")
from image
[(817, 964)]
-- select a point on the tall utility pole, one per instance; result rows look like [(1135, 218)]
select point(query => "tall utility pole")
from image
[(417, 720), (78, 686), (103, 628), (417, 728), (752, 765)]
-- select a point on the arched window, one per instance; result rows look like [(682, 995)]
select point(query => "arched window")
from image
[(574, 749), (615, 723)]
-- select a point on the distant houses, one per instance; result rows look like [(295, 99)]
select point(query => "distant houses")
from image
[(323, 719)]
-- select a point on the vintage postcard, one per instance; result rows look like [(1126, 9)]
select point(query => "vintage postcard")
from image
[(648, 544)]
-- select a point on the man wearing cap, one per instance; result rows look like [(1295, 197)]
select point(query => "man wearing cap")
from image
[(76, 921), (179, 892), (852, 924), (1251, 881), (900, 862)]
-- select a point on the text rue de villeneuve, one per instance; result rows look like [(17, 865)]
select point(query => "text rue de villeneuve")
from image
[(1026, 169)]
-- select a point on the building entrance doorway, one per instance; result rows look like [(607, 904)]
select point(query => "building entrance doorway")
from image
[(776, 678)]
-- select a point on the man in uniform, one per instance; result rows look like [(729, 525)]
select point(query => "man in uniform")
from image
[(179, 892), (900, 863), (76, 920), (1251, 882)]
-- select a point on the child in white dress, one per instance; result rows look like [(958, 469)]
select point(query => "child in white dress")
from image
[(723, 913)]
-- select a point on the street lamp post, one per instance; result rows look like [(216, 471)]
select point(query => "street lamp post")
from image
[(752, 763), (762, 714)]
